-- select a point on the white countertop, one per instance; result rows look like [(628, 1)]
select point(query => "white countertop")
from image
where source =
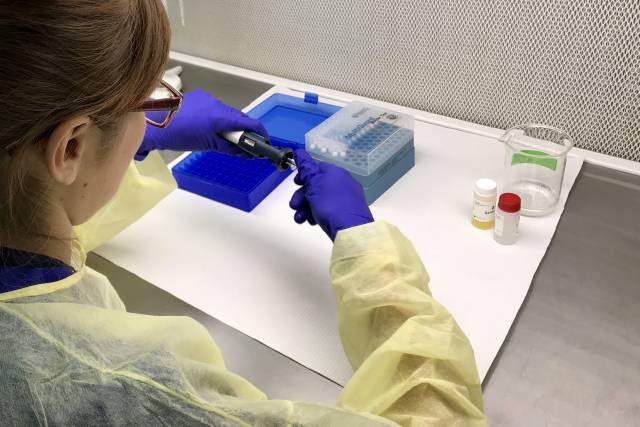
[(266, 276)]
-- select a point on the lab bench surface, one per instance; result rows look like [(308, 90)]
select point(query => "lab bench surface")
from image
[(572, 354)]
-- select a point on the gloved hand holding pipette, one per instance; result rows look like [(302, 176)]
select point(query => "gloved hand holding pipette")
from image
[(329, 196), (197, 127)]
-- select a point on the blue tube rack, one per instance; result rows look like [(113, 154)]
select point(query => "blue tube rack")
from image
[(231, 180)]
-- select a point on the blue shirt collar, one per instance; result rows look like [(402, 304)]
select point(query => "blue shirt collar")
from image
[(20, 269)]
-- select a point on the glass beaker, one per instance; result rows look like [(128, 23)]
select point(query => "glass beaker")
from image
[(536, 156)]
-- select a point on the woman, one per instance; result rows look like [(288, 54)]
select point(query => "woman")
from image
[(76, 75)]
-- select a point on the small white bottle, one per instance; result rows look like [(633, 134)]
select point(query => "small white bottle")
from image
[(484, 203), (507, 219)]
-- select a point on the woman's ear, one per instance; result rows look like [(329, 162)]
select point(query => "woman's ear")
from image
[(64, 149)]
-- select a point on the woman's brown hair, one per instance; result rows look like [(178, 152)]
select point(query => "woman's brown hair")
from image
[(60, 59)]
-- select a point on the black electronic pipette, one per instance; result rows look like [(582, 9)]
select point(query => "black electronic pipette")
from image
[(260, 147)]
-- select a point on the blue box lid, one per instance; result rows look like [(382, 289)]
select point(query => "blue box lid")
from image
[(288, 118)]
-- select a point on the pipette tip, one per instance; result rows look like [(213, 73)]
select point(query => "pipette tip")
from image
[(291, 163)]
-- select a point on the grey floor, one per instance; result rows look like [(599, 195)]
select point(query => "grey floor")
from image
[(573, 355)]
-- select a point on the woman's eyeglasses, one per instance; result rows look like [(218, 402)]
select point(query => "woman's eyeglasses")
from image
[(162, 109)]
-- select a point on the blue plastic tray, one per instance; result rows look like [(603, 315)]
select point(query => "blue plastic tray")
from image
[(387, 167), (231, 180), (375, 185), (288, 118)]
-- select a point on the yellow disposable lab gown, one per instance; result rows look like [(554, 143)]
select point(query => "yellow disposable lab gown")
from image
[(70, 354)]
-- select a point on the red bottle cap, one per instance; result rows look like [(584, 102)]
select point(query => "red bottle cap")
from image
[(509, 202)]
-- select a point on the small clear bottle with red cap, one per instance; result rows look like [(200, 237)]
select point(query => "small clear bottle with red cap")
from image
[(507, 217)]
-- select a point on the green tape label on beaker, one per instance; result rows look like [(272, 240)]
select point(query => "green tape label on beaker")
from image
[(533, 156)]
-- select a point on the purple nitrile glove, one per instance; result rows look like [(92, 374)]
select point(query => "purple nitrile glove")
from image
[(197, 125), (329, 196)]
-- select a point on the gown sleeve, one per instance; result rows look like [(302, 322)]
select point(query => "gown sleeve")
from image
[(413, 364), (143, 186)]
